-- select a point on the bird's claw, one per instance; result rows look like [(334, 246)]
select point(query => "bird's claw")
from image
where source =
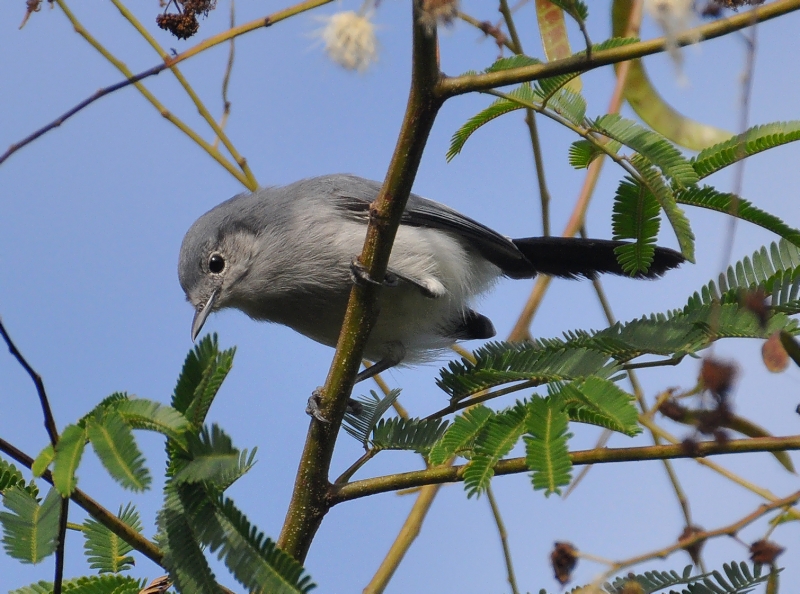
[(359, 274), (313, 407)]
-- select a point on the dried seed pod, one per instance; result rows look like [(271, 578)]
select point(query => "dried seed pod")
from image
[(564, 558)]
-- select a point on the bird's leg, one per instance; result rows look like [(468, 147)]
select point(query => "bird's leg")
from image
[(360, 276), (354, 407), (313, 409), (394, 355)]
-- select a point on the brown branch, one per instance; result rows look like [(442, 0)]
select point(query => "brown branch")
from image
[(71, 112), (701, 536), (49, 421), (449, 87), (408, 534), (52, 432), (310, 502), (94, 509), (452, 474), (169, 63)]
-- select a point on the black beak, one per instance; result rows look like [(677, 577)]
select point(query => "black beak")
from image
[(201, 314)]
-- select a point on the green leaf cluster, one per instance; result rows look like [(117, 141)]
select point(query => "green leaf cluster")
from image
[(484, 437), (196, 516), (103, 584), (105, 551)]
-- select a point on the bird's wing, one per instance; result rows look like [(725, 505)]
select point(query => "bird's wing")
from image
[(356, 195)]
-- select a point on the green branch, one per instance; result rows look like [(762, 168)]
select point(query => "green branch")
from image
[(449, 87), (94, 509), (452, 474), (309, 502)]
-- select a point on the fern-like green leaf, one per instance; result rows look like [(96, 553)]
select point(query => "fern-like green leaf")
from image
[(359, 425), (253, 559), (459, 439), (501, 432), (114, 444), (501, 363), (203, 371), (69, 451), (214, 460), (665, 197), (600, 402), (710, 198), (569, 104), (43, 460), (524, 95), (205, 392), (140, 413), (102, 584), (397, 433), (574, 8), (30, 530), (183, 556), (11, 476), (782, 283), (582, 152), (652, 146), (105, 551), (546, 452), (635, 217), (752, 141), (740, 580), (516, 61)]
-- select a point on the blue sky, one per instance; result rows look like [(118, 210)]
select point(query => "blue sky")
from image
[(94, 212)]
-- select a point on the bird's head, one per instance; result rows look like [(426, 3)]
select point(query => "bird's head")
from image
[(215, 257)]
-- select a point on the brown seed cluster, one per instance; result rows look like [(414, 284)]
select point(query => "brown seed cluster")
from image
[(764, 552), (563, 558), (183, 23), (716, 378)]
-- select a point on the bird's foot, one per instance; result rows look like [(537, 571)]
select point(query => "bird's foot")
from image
[(313, 407), (359, 274)]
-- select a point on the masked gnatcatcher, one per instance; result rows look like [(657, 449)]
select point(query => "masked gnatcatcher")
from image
[(287, 255)]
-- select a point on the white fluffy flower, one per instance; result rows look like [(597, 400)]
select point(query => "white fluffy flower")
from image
[(349, 39)]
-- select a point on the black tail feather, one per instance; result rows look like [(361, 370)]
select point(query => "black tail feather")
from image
[(572, 257)]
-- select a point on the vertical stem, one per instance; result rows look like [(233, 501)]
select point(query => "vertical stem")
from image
[(408, 534), (501, 528), (310, 501), (530, 120)]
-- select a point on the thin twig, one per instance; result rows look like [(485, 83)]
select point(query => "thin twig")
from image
[(85, 103), (482, 397), (530, 121), (47, 412), (201, 108), (637, 388), (165, 113), (731, 476), (487, 29), (226, 79), (501, 529), (58, 579), (52, 432), (94, 509), (172, 61), (408, 534), (699, 537)]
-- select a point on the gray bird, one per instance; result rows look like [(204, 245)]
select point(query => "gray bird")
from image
[(286, 255)]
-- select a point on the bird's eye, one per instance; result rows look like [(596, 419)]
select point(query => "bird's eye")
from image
[(216, 263)]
